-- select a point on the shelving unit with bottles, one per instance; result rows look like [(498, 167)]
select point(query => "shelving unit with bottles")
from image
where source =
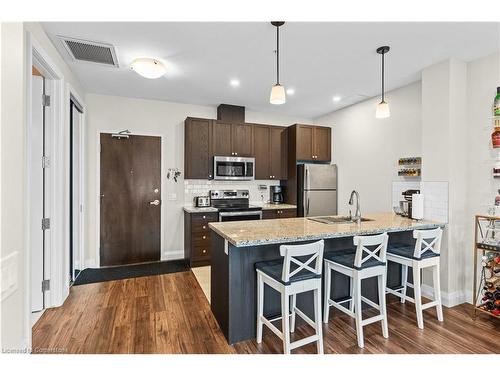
[(410, 166), (487, 284)]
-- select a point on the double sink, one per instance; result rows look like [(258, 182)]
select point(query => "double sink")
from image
[(336, 219)]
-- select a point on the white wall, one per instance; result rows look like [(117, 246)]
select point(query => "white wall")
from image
[(12, 169), (111, 113), (366, 149), (14, 321), (444, 145)]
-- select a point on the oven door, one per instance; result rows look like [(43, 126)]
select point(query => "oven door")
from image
[(239, 216), (227, 168)]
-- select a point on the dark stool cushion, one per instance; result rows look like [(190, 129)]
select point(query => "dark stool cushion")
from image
[(407, 251), (274, 269), (345, 257)]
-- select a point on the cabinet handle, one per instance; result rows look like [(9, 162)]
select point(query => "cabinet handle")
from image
[(204, 227), (204, 237), (204, 251), (204, 217), (209, 176), (236, 153)]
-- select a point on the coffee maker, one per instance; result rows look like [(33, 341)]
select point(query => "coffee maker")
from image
[(406, 205), (275, 194)]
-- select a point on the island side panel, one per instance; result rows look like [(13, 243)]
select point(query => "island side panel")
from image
[(219, 283)]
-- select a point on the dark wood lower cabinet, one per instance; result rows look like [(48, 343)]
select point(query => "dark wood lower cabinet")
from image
[(279, 213), (197, 238)]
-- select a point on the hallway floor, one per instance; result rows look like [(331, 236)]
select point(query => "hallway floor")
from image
[(170, 314)]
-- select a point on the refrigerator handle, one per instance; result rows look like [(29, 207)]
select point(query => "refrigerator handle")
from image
[(306, 182), (307, 208)]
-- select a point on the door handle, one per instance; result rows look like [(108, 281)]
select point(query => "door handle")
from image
[(156, 202)]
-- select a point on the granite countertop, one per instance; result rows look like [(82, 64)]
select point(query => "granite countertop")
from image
[(265, 206), (193, 209), (271, 206), (265, 232)]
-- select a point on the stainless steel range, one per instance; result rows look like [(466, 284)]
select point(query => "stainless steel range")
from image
[(234, 205)]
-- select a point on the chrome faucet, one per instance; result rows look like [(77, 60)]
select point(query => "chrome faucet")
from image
[(357, 215)]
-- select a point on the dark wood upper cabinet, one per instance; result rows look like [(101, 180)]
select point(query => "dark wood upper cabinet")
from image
[(262, 147), (278, 153), (322, 143), (197, 148), (304, 142), (221, 136), (242, 139), (269, 147), (232, 139), (313, 143)]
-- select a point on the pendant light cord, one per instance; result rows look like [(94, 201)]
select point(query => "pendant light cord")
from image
[(383, 77), (277, 55)]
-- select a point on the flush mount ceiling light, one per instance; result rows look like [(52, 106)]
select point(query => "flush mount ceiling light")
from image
[(234, 83), (336, 98), (383, 107), (148, 68), (290, 91), (277, 92)]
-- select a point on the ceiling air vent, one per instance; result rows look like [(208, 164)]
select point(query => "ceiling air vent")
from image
[(88, 51)]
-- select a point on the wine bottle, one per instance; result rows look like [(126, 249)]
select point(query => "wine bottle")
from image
[(496, 103)]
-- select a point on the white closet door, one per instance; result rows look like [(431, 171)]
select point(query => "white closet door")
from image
[(77, 261), (36, 194)]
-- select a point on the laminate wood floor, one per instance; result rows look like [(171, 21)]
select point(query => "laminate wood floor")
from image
[(170, 314)]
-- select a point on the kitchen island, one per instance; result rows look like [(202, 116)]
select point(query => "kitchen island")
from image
[(237, 246)]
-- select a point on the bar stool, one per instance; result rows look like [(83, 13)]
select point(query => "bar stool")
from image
[(290, 276), (358, 266), (425, 253)]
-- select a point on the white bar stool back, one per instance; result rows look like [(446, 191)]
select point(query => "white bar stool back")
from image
[(291, 276), (359, 264), (424, 254)]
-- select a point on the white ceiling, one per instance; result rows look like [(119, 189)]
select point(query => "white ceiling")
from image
[(318, 60)]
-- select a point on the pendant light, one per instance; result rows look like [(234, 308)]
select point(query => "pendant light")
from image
[(383, 107), (277, 92)]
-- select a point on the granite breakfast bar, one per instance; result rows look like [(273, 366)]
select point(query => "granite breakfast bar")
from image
[(237, 246)]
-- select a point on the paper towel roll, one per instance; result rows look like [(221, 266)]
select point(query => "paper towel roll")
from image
[(417, 206)]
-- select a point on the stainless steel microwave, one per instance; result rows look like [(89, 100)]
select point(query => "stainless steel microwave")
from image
[(234, 168)]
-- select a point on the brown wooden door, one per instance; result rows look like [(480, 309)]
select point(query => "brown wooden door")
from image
[(221, 139), (130, 180), (242, 139), (197, 148), (322, 143), (278, 153), (304, 142), (261, 147)]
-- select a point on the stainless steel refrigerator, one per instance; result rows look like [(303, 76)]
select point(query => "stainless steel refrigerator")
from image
[(316, 190)]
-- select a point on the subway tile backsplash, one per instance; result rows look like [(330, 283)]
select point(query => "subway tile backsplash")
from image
[(194, 188), (435, 197), (435, 200)]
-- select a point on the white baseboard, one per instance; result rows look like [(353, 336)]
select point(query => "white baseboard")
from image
[(448, 299)]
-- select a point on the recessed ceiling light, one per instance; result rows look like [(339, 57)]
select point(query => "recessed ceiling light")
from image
[(336, 98), (148, 68), (234, 83), (290, 91)]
